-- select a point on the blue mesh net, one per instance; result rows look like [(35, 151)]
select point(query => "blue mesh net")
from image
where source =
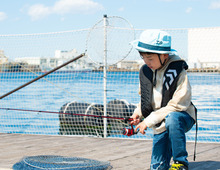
[(59, 162)]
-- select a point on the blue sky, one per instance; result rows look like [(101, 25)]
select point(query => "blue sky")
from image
[(39, 16)]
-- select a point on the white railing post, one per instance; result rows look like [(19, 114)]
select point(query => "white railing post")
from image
[(104, 75)]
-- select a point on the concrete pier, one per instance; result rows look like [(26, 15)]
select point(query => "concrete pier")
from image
[(123, 154)]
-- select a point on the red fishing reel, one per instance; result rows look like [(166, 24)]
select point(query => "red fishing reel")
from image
[(128, 131)]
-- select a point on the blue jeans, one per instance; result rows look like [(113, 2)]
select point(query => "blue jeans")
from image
[(172, 142)]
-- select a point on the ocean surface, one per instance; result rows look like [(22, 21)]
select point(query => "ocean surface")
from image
[(57, 89)]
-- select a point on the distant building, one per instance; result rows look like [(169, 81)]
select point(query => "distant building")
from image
[(61, 54), (203, 47), (3, 58), (61, 57), (130, 65), (29, 60)]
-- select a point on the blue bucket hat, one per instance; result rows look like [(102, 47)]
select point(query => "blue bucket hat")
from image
[(154, 41)]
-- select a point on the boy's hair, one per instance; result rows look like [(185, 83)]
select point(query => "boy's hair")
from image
[(148, 53)]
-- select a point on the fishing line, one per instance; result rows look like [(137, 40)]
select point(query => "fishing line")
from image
[(71, 94), (66, 113), (117, 49), (59, 87), (118, 33), (41, 76), (125, 131)]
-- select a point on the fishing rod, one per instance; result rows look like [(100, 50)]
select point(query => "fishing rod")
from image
[(72, 114), (125, 131), (43, 75)]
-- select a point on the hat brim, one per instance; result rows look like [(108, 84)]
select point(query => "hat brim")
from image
[(141, 49)]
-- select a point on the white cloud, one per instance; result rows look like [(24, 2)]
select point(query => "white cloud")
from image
[(121, 9), (76, 6), (39, 11), (3, 16), (215, 5), (188, 10)]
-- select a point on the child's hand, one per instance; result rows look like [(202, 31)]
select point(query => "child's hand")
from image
[(142, 126), (136, 119)]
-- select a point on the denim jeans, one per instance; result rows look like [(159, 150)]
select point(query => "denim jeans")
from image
[(172, 142)]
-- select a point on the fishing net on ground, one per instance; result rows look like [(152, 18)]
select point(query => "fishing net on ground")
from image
[(50, 162)]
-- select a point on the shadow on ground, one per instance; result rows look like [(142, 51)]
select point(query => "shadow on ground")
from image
[(205, 165)]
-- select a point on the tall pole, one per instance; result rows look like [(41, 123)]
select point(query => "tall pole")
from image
[(104, 75)]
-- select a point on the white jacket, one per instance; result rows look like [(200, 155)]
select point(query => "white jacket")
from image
[(181, 100)]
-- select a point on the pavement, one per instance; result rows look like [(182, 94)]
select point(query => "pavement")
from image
[(123, 154)]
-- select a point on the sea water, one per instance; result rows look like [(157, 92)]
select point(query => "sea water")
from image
[(59, 88)]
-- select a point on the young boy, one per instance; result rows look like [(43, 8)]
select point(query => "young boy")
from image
[(165, 100)]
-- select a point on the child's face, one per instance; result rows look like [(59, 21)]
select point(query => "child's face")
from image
[(152, 60)]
